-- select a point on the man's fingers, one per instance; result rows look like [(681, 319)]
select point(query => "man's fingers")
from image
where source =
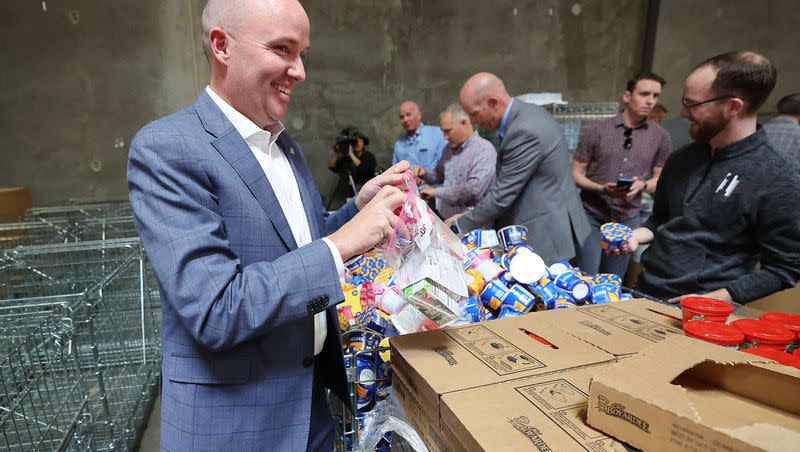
[(399, 167), (394, 200)]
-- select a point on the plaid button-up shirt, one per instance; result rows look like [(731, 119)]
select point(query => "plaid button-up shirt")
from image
[(467, 173)]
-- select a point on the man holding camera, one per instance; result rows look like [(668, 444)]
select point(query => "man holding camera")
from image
[(611, 167), (350, 154)]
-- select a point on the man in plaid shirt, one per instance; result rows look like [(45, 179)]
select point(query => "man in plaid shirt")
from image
[(466, 168)]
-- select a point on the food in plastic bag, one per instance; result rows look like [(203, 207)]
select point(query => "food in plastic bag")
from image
[(422, 248)]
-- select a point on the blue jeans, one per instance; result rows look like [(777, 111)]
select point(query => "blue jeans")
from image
[(590, 257)]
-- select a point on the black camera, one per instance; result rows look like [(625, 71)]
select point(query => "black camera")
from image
[(343, 143)]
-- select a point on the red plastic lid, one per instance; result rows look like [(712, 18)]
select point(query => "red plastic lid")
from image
[(762, 331), (716, 332), (781, 357), (791, 321), (705, 305)]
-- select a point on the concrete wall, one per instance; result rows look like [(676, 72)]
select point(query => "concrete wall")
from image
[(75, 89), (691, 31)]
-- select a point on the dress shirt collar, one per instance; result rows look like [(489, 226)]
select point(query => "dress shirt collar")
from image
[(414, 136), (619, 122), (466, 142), (246, 128), (501, 131)]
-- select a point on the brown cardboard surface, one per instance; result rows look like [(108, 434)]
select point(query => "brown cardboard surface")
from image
[(438, 362), (685, 394), (544, 413), (13, 203), (436, 435), (622, 328), (784, 301)]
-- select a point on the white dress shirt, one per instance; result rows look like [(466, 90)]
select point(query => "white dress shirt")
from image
[(281, 177)]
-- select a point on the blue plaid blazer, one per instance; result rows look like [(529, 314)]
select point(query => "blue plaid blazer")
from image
[(238, 296)]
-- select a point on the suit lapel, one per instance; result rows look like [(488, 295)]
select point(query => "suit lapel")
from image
[(237, 153), (292, 152)]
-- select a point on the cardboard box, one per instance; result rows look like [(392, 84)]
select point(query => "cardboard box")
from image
[(435, 434), (685, 394), (622, 328), (434, 363), (537, 413), (13, 203), (784, 301)]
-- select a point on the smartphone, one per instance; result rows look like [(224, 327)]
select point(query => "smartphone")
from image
[(624, 183)]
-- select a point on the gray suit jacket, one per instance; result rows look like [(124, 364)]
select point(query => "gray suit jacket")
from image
[(238, 295), (534, 186)]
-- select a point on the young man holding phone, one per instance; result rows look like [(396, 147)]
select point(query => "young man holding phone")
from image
[(618, 159)]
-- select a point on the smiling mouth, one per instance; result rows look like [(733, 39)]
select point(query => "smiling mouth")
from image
[(282, 89)]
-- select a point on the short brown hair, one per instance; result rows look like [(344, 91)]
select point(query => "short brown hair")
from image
[(644, 76), (747, 75)]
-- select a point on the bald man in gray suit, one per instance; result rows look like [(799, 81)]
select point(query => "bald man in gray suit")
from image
[(534, 187)]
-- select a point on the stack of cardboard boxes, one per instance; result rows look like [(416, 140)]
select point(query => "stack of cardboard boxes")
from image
[(525, 383)]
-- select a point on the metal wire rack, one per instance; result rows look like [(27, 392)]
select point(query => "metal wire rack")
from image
[(577, 117), (364, 389), (64, 231), (44, 405), (108, 292), (78, 211)]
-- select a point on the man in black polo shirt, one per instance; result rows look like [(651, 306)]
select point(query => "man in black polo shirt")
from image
[(726, 201)]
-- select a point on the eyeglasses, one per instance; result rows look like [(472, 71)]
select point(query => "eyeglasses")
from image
[(628, 138), (688, 105)]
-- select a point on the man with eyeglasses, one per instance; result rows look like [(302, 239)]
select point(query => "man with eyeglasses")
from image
[(726, 201), (616, 161)]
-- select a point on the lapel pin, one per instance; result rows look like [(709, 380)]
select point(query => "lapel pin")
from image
[(291, 150)]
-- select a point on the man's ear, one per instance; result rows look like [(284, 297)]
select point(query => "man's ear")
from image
[(492, 103), (737, 107), (218, 43), (626, 97)]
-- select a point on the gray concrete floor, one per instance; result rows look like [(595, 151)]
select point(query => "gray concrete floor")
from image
[(151, 434)]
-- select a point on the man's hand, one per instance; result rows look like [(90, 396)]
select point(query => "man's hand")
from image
[(719, 294), (637, 187), (627, 247), (391, 177), (418, 172), (611, 189), (370, 225), (449, 222), (427, 193)]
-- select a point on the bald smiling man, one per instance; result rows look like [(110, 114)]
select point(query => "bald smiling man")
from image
[(246, 258), (533, 186)]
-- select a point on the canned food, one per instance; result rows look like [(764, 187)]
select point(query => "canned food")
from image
[(714, 332), (570, 283), (563, 303), (511, 236), (606, 278), (354, 265), (546, 291), (613, 235), (703, 308), (481, 238), (475, 281), (507, 311), (763, 334), (362, 340), (369, 319), (494, 293), (524, 265), (365, 388), (558, 268), (790, 321), (520, 299), (605, 293)]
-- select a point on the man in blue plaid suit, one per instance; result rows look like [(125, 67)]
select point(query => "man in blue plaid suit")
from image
[(246, 259)]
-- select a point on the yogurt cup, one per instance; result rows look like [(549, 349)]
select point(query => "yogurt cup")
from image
[(790, 321), (714, 332), (514, 235), (763, 334), (703, 308)]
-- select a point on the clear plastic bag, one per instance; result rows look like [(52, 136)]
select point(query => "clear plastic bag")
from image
[(427, 259), (387, 417)]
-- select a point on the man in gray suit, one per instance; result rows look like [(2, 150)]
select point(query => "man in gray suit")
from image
[(534, 187)]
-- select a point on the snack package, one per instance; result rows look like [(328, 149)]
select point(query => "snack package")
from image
[(422, 248)]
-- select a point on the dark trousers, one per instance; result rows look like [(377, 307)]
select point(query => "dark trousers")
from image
[(321, 430)]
